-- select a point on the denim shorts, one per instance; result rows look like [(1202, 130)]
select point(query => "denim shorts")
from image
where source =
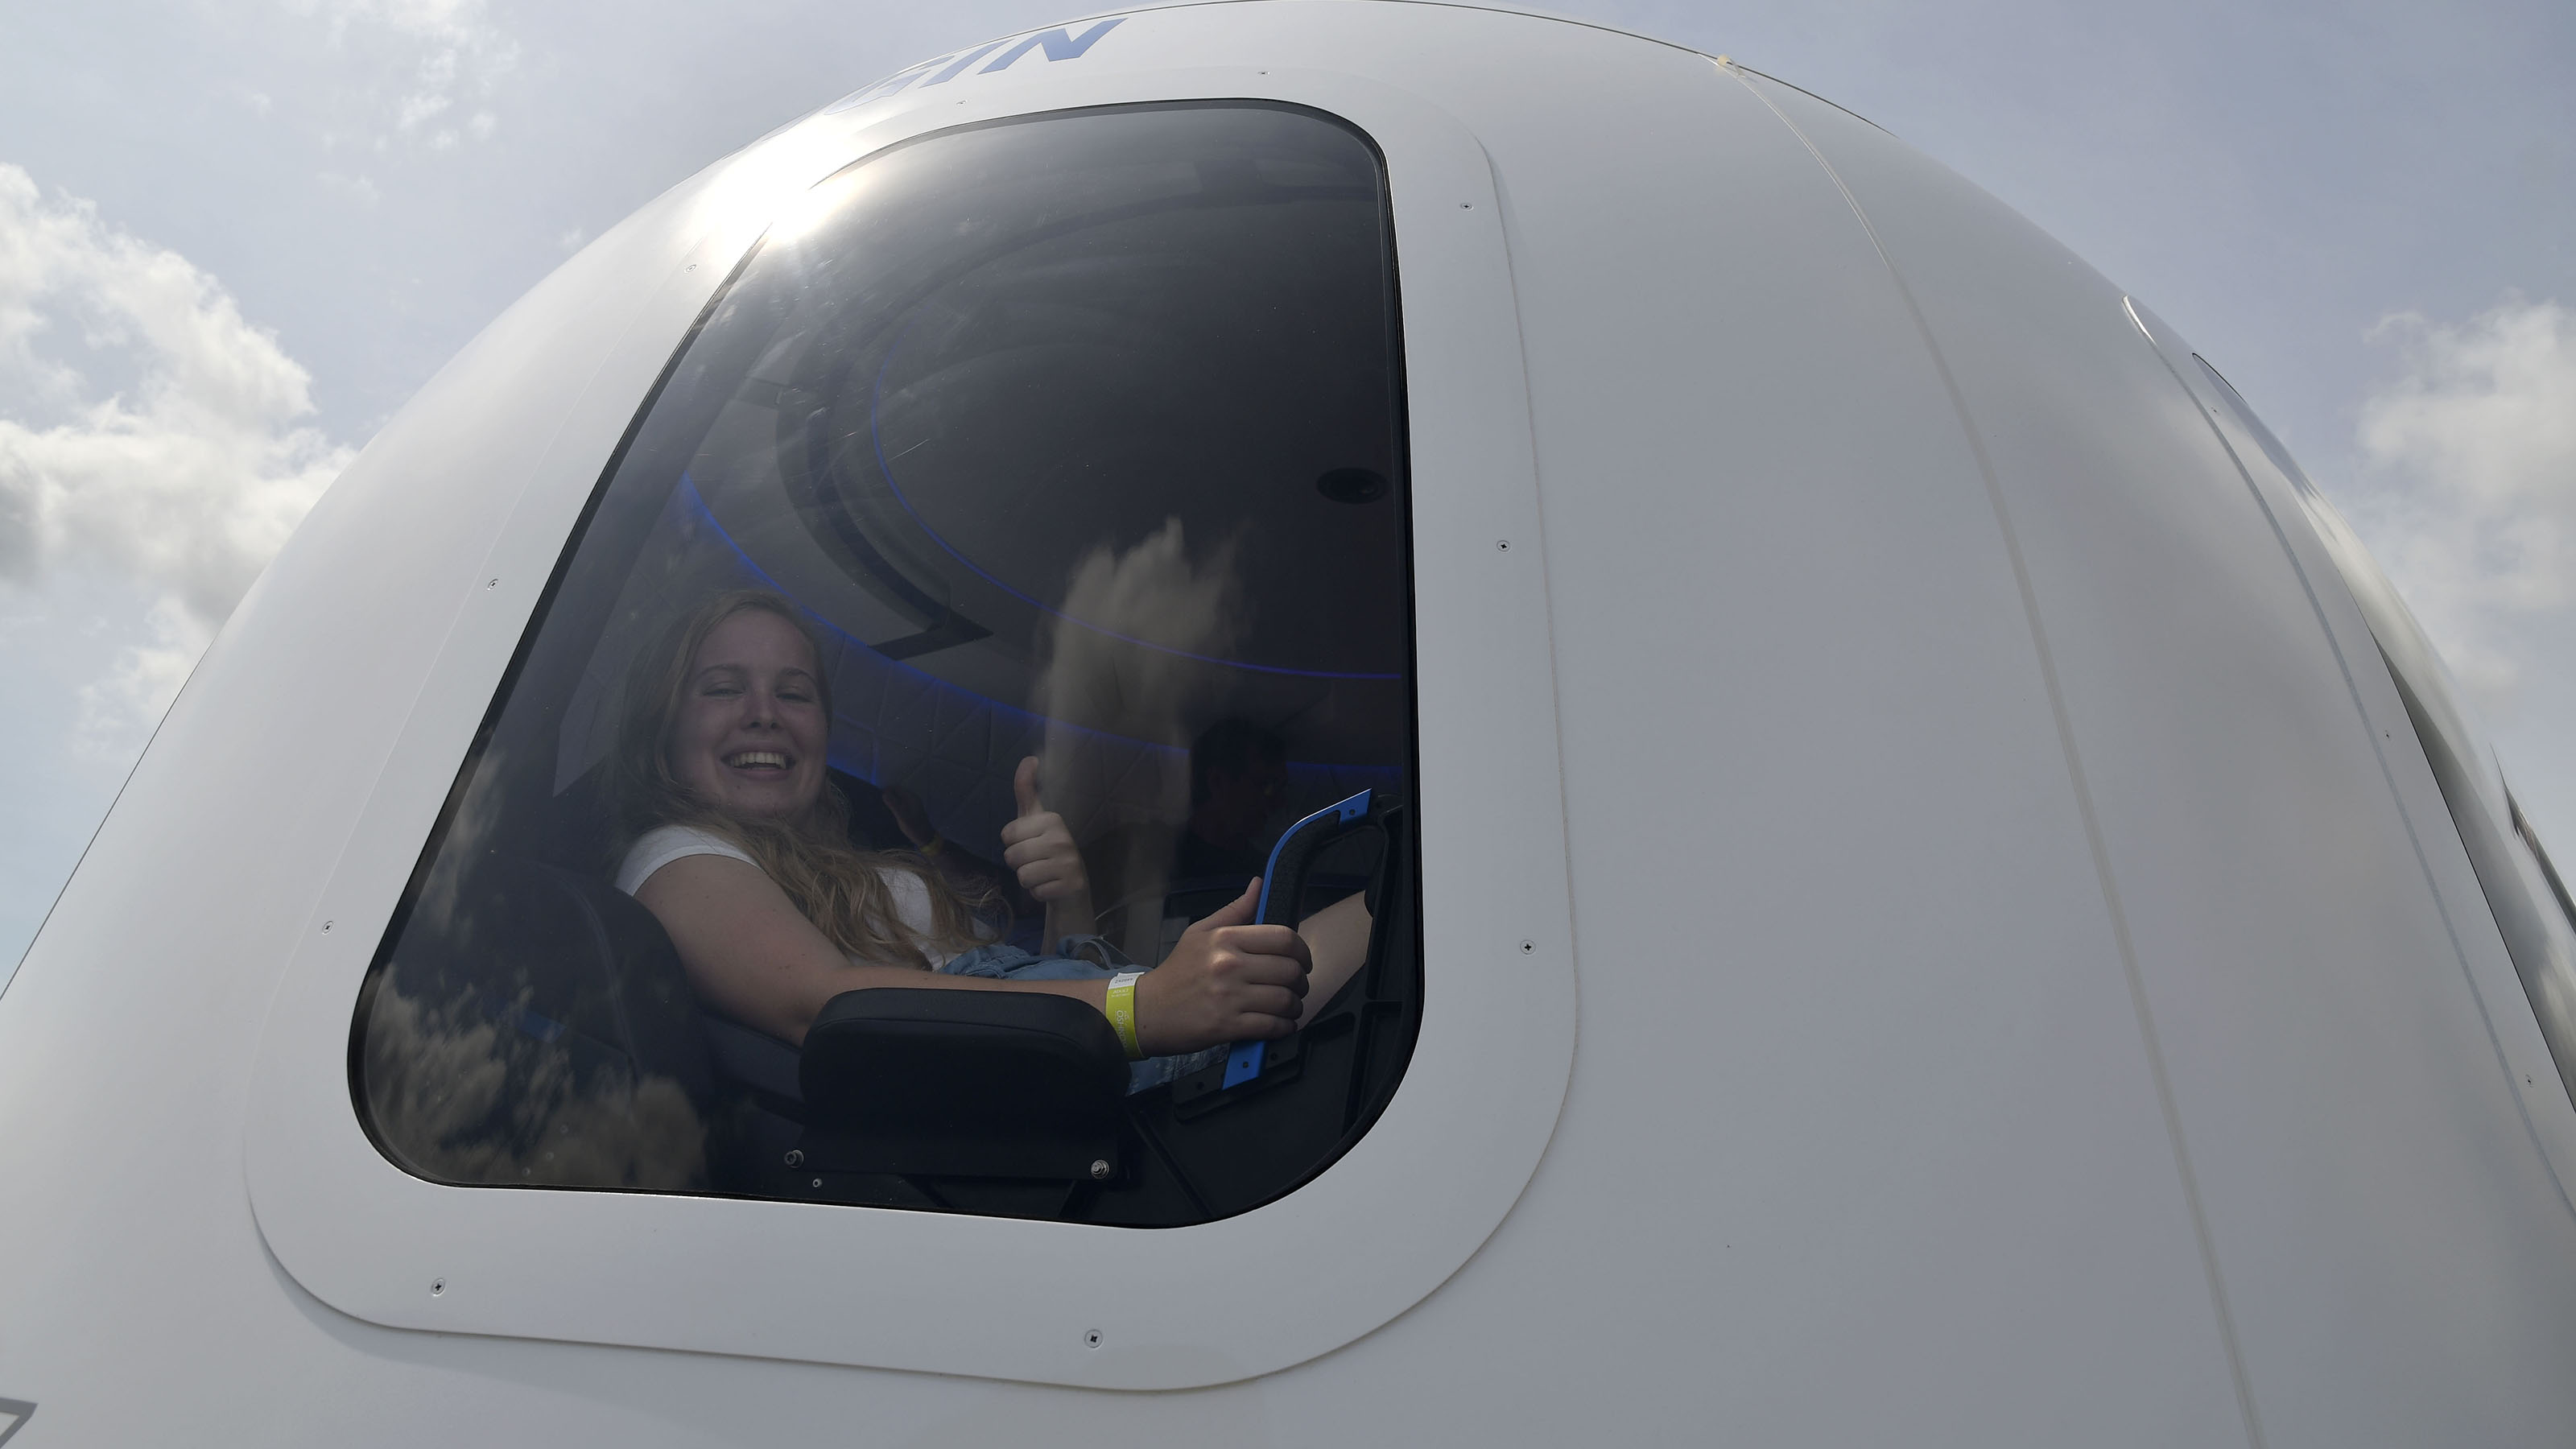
[(1080, 958)]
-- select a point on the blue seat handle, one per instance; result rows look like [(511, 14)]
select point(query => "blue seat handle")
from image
[(1283, 885)]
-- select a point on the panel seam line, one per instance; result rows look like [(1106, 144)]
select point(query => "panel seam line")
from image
[(2095, 842)]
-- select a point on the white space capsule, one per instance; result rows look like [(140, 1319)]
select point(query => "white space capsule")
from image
[(1899, 877)]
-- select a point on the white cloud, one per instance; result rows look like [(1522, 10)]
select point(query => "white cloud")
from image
[(360, 188), (118, 710), (2470, 470), (433, 55), (146, 430)]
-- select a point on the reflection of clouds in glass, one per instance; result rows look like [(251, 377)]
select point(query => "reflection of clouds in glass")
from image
[(464, 1098), (468, 1075), (1094, 681), (1101, 693), (469, 839)]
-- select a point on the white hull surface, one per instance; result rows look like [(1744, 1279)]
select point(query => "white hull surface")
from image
[(1937, 922)]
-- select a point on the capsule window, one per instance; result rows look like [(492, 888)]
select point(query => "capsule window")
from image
[(977, 702)]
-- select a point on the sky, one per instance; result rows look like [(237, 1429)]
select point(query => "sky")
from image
[(235, 237)]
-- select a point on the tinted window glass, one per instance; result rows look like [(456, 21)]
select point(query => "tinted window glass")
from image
[(2540, 857), (1009, 571)]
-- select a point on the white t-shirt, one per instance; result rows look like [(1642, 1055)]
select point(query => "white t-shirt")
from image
[(659, 847)]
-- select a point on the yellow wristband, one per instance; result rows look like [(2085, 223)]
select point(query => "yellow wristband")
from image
[(1121, 1007), (937, 844)]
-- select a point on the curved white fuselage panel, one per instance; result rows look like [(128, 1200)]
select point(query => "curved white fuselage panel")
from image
[(1999, 966)]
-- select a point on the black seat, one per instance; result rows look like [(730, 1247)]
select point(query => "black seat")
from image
[(935, 1083), (995, 1102), (998, 1102)]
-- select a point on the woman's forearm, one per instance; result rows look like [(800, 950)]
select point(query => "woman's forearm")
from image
[(1071, 916), (1338, 937)]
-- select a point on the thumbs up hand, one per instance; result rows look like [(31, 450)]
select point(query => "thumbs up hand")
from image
[(1037, 846)]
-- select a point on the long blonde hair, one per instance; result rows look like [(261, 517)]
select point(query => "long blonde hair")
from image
[(846, 892)]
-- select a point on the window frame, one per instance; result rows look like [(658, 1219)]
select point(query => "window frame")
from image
[(1373, 1233), (470, 776)]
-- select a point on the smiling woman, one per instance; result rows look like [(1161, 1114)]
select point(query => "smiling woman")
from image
[(831, 838), (721, 755), (748, 735), (744, 857)]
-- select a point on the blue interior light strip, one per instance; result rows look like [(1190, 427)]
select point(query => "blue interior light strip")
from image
[(696, 504), (1013, 714)]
